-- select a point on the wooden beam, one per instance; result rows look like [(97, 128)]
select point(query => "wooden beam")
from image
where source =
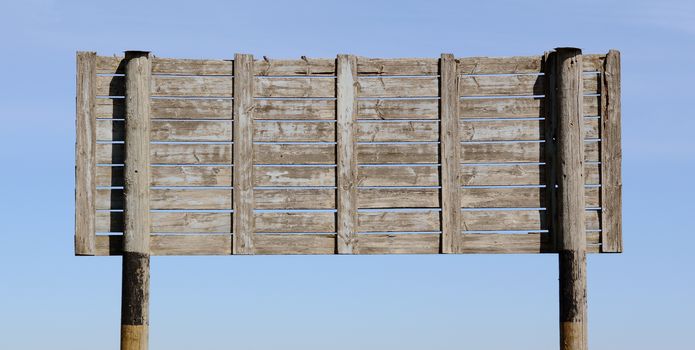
[(611, 157), (136, 231), (450, 151), (346, 110), (571, 229), (243, 154), (85, 154)]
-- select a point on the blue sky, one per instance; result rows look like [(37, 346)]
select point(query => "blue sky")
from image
[(641, 299)]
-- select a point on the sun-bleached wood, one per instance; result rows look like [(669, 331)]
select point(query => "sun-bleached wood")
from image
[(611, 156), (346, 156), (449, 150), (244, 199), (136, 208), (571, 229), (294, 87), (324, 243), (85, 153), (420, 220), (398, 87)]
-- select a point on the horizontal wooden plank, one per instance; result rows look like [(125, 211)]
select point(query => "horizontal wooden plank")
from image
[(175, 86), (294, 198), (273, 244), (220, 222), (517, 174), (398, 198), (192, 86), (421, 243), (303, 66), (514, 130), (500, 65), (294, 222), (171, 153), (294, 109), (501, 108), (514, 107), (394, 221), (501, 85), (166, 108), (397, 66), (325, 153), (498, 243), (171, 199), (170, 222), (501, 130), (199, 244), (170, 66), (294, 153), (294, 87), (294, 131), (591, 83), (398, 109), (502, 152), (398, 175), (515, 197), (398, 153), (398, 87), (397, 131), (179, 130), (294, 176), (365, 65), (292, 244), (514, 220)]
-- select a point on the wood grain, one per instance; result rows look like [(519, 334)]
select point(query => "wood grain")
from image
[(85, 153), (346, 156), (398, 87), (449, 149), (244, 198), (611, 156), (294, 87)]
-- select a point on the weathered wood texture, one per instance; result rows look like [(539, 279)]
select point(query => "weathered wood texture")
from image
[(304, 139), (450, 152), (611, 156), (85, 154), (243, 149), (571, 206), (136, 194), (346, 105)]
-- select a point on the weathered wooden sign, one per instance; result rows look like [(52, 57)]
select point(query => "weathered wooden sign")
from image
[(348, 155)]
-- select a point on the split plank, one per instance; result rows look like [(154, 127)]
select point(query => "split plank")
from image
[(294, 153), (514, 107), (501, 85), (280, 222), (515, 220), (520, 197), (517, 174), (398, 153), (398, 175), (173, 131)]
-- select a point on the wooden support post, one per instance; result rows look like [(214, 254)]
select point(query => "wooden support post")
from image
[(243, 155), (346, 108), (85, 154), (136, 231), (611, 156), (450, 149), (571, 228)]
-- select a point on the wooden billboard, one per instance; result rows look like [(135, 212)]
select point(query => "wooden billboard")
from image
[(347, 155)]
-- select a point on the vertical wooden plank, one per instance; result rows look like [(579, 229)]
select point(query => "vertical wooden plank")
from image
[(243, 155), (611, 156), (550, 74), (449, 153), (85, 154), (346, 108), (136, 230), (571, 205)]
